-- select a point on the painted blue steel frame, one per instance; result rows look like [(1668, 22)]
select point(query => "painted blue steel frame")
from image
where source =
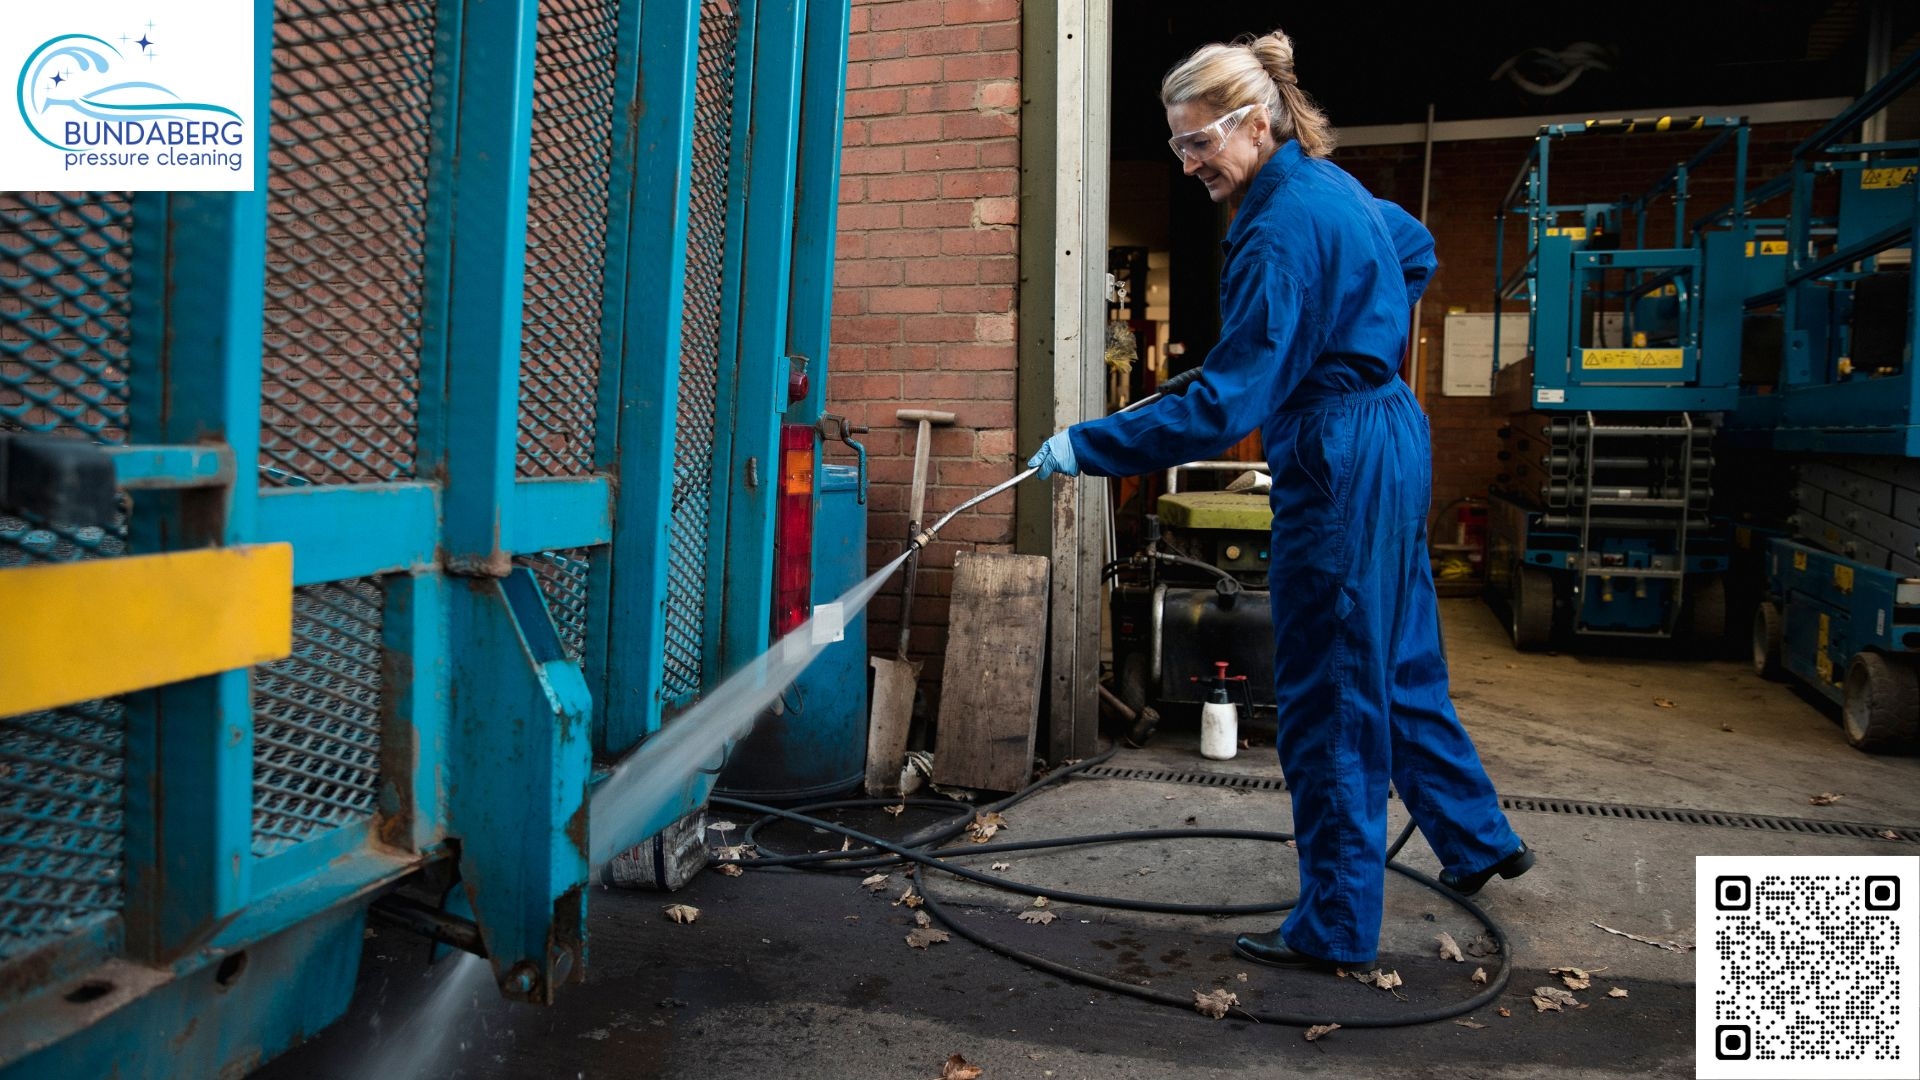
[(487, 728), (1833, 608), (1560, 261)]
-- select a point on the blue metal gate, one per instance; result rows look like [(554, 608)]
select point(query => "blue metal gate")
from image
[(476, 348)]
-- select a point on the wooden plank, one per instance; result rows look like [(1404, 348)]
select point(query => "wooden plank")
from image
[(894, 682), (990, 696)]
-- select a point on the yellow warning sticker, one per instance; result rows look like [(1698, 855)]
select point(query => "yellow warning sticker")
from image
[(1843, 577), (1823, 663), (1799, 560), (1577, 232), (1766, 247), (1632, 359), (1882, 179)]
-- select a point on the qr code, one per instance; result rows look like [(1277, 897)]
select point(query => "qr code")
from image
[(1806, 966)]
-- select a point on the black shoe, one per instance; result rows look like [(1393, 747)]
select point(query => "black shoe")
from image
[(1270, 949), (1510, 867)]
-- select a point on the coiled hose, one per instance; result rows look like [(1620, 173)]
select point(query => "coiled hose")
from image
[(919, 849)]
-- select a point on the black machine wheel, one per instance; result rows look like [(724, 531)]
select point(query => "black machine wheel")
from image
[(1707, 611), (1881, 709), (1530, 618), (1766, 640)]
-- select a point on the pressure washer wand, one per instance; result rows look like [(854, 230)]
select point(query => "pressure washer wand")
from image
[(1177, 384)]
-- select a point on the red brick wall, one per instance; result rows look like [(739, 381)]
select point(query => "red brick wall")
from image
[(925, 275), (1469, 180)]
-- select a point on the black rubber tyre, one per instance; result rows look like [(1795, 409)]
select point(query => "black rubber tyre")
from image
[(1881, 711), (1707, 612), (1530, 614), (1766, 641)]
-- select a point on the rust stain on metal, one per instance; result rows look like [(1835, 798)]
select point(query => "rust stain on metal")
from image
[(399, 753)]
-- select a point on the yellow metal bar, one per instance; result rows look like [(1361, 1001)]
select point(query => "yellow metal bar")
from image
[(75, 631)]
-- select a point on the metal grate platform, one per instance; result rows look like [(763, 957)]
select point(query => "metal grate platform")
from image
[(316, 718), (1568, 807)]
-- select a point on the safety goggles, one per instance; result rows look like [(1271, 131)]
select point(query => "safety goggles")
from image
[(1200, 145)]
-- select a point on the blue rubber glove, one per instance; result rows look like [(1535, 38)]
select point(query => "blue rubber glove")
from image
[(1055, 456)]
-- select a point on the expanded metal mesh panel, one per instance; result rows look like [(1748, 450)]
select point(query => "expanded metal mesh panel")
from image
[(699, 352), (316, 717), (568, 178), (66, 287), (346, 239), (61, 789), (563, 580)]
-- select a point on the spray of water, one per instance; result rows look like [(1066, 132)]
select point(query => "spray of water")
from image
[(417, 1047), (660, 772), (640, 788)]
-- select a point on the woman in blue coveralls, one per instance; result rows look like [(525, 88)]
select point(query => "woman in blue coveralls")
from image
[(1315, 302)]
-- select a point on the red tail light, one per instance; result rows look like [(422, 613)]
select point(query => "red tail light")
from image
[(793, 531)]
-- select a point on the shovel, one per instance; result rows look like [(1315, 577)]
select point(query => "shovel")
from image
[(895, 680)]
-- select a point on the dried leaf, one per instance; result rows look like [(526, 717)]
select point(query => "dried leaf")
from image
[(874, 882), (730, 870), (1384, 980), (1665, 703), (1484, 945), (1504, 1011), (1575, 978), (1040, 901), (1214, 1004), (896, 811), (1616, 992), (921, 918), (1555, 995), (923, 936), (1450, 949), (910, 898), (1145, 870), (1317, 1030), (1825, 798), (681, 913), (846, 843), (1889, 834), (1041, 918), (1545, 1005), (985, 825), (958, 1068), (1241, 975), (722, 826), (1001, 867), (1470, 1023), (1726, 727), (1480, 976)]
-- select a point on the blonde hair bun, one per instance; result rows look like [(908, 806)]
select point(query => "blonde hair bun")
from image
[(1252, 71)]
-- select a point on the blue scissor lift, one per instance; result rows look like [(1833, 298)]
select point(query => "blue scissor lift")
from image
[(1833, 410), (508, 348), (1599, 525)]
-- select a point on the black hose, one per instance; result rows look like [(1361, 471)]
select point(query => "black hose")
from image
[(916, 849)]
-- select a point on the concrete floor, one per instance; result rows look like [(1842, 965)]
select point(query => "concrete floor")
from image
[(807, 975)]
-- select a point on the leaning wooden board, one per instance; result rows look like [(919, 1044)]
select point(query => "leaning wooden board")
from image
[(990, 692)]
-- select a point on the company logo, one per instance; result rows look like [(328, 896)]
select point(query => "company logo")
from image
[(107, 102)]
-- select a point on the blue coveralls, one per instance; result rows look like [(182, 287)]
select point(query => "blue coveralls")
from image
[(1314, 307)]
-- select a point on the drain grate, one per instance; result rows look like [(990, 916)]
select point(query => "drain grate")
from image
[(1566, 807)]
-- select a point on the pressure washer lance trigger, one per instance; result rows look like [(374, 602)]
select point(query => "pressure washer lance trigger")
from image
[(1219, 718)]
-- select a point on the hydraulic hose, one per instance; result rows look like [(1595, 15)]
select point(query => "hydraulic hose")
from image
[(919, 849)]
